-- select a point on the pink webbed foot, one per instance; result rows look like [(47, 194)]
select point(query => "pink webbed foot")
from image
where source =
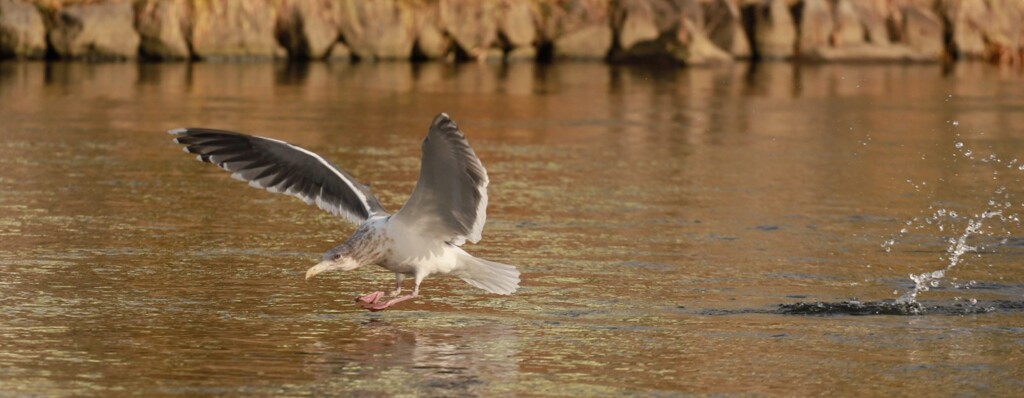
[(381, 306), (370, 299)]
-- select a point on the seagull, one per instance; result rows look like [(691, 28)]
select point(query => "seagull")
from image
[(447, 208)]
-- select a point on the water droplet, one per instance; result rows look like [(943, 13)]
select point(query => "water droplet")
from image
[(959, 145)]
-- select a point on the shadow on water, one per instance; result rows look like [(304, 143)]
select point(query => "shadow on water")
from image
[(884, 307)]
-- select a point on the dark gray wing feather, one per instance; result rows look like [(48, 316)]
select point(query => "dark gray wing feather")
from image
[(280, 167), (450, 198)]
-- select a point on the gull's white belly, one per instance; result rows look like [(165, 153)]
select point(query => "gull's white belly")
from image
[(410, 253)]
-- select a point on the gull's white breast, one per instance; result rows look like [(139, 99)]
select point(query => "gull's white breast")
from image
[(411, 253)]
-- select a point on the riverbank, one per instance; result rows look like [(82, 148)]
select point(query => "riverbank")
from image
[(688, 32)]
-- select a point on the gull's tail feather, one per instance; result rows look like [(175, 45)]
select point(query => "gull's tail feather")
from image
[(488, 275)]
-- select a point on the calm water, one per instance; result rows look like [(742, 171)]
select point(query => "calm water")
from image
[(658, 216)]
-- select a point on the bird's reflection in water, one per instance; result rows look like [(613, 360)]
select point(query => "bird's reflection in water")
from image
[(435, 355)]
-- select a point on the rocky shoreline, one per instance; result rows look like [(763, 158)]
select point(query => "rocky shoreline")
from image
[(688, 32)]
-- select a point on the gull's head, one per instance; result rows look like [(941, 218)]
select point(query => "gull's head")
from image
[(333, 260)]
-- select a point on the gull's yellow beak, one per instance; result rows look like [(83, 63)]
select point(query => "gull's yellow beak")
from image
[(316, 269)]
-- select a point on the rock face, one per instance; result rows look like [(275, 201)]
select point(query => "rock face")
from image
[(22, 32), (576, 29), (848, 28), (381, 29), (233, 29), (1005, 32), (986, 29), (922, 31), (516, 23), (690, 32), (661, 29), (95, 31), (968, 22), (816, 26), (636, 27), (306, 28), (162, 26), (840, 31), (873, 16), (517, 29), (472, 26), (724, 26), (774, 32)]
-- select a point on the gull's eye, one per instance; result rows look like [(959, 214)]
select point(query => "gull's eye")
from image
[(336, 256)]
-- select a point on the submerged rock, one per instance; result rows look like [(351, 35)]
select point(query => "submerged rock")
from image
[(22, 32), (889, 307), (852, 308), (98, 31)]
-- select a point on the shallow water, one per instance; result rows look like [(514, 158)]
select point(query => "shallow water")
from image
[(659, 217)]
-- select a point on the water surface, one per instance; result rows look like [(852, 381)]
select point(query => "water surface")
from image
[(659, 217)]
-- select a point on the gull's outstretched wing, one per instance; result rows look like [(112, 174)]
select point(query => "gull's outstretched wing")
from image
[(450, 198), (280, 167)]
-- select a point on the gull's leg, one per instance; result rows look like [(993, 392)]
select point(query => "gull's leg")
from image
[(398, 284), (374, 298), (396, 300)]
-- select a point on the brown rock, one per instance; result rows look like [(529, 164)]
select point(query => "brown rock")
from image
[(233, 29), (162, 27), (518, 54), (95, 31), (379, 29), (306, 28), (575, 29), (873, 15), (694, 47), (922, 32), (431, 43), (861, 53), (724, 26), (591, 42), (471, 24), (848, 28), (968, 21), (663, 29), (516, 23), (339, 53), (635, 23), (774, 32), (816, 25), (22, 32), (1004, 32)]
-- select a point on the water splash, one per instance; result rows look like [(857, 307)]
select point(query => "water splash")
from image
[(999, 208), (955, 252)]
